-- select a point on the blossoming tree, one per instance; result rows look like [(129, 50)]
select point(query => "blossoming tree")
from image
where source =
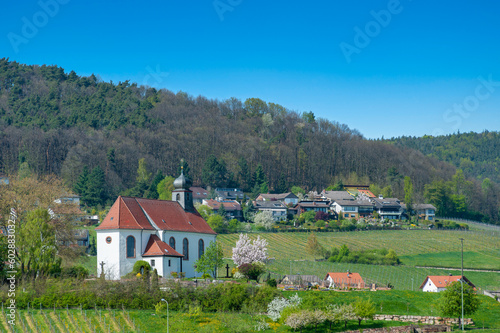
[(247, 252)]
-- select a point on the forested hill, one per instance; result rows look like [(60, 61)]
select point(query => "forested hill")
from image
[(477, 154), (54, 122)]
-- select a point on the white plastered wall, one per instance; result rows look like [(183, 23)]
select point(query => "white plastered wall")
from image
[(193, 238)]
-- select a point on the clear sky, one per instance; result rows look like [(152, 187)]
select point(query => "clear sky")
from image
[(386, 68)]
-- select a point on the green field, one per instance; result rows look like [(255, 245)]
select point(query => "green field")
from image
[(480, 259), (436, 248), (89, 321), (404, 242)]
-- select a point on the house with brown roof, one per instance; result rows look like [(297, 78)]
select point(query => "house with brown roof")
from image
[(437, 283), (425, 211), (388, 208), (346, 280), (298, 279), (232, 208), (286, 198), (169, 235), (317, 206), (277, 209), (199, 194)]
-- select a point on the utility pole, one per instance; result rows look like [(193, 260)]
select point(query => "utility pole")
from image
[(462, 282)]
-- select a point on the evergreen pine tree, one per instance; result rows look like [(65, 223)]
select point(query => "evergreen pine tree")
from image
[(96, 194), (282, 186), (152, 192), (81, 185)]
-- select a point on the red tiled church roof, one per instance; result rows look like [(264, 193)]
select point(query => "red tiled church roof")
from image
[(133, 213), (156, 247)]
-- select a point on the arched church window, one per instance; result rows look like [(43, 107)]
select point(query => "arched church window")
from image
[(201, 248), (178, 197), (185, 249), (171, 242), (130, 247)]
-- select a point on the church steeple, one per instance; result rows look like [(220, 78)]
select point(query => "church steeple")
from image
[(182, 194)]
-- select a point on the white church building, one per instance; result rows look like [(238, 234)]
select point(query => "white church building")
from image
[(169, 235)]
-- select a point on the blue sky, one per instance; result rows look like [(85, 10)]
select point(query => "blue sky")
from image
[(385, 68)]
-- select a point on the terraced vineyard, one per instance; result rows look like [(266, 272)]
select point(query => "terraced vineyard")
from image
[(81, 321), (436, 248), (405, 242)]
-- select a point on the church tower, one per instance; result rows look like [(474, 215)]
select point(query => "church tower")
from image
[(182, 194)]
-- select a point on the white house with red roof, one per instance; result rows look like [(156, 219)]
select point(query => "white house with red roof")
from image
[(437, 283), (170, 235)]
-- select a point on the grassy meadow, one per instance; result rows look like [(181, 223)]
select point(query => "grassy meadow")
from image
[(100, 320)]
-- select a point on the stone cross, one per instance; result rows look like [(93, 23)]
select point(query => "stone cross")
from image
[(227, 270), (102, 263)]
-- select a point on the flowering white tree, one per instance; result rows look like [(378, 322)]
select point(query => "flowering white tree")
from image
[(278, 304), (298, 320), (264, 219), (247, 252)]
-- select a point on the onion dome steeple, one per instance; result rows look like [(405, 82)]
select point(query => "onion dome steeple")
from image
[(182, 194), (182, 182)]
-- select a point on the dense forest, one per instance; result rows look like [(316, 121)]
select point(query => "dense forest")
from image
[(53, 122), (477, 154)]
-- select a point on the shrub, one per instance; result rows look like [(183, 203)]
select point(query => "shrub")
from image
[(272, 283), (251, 271), (142, 267), (77, 271)]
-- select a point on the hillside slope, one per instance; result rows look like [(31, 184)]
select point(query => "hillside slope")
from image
[(57, 123)]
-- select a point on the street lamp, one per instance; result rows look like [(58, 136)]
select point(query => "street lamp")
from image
[(163, 300), (462, 282)]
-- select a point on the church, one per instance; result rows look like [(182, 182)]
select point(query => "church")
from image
[(169, 235)]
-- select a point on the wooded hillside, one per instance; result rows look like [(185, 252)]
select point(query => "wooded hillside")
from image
[(52, 122), (477, 154)]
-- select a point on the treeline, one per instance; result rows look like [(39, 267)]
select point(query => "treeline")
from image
[(477, 154), (57, 123)]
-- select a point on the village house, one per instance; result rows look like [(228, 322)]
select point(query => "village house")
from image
[(346, 280), (169, 235), (346, 208), (224, 194), (199, 194), (425, 211), (68, 199), (438, 283), (297, 279), (277, 208), (232, 208), (286, 198), (317, 206), (336, 195), (388, 208)]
